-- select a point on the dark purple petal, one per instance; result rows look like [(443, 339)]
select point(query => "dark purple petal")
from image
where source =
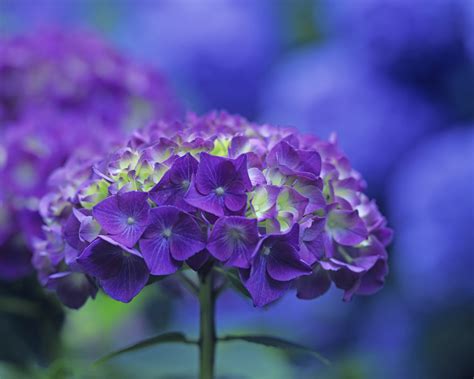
[(129, 281), (102, 259), (72, 288), (312, 246), (260, 285), (233, 240), (284, 262), (71, 233), (346, 227), (374, 279), (314, 285), (124, 216), (122, 272), (241, 166), (347, 280), (199, 260)]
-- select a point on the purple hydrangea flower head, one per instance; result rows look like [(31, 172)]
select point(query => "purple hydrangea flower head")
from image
[(64, 95), (283, 209)]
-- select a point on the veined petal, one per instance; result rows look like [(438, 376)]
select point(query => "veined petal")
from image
[(260, 285)]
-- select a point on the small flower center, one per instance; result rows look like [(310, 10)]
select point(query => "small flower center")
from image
[(130, 221), (266, 250), (167, 233), (220, 191), (235, 234), (185, 184)]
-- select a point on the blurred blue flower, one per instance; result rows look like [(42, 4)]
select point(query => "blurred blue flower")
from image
[(420, 43), (431, 201), (217, 51), (322, 90)]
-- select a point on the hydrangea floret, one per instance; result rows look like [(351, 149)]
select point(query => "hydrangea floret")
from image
[(265, 206)]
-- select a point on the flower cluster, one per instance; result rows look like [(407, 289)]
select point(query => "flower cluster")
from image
[(61, 94), (286, 210), (78, 72)]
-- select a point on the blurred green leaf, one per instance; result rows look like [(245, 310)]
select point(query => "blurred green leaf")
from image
[(277, 343), (171, 337)]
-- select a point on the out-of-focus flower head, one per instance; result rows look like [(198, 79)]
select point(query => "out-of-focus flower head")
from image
[(424, 44), (217, 51), (285, 209), (434, 244), (327, 90), (79, 73), (62, 94)]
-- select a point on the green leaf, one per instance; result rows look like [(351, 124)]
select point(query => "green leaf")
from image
[(171, 337), (234, 281), (277, 343)]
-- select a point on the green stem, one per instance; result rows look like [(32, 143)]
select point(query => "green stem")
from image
[(207, 336)]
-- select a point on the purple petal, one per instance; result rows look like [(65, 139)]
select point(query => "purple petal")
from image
[(284, 263), (172, 188), (283, 154), (88, 230), (71, 233), (129, 281), (233, 240), (314, 285), (242, 169), (156, 252), (235, 203), (347, 280), (346, 227), (101, 259), (171, 237), (187, 238), (72, 288), (213, 172), (260, 285), (124, 216), (199, 260), (374, 279), (210, 203), (312, 241)]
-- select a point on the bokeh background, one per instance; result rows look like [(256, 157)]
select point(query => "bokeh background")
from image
[(395, 80)]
